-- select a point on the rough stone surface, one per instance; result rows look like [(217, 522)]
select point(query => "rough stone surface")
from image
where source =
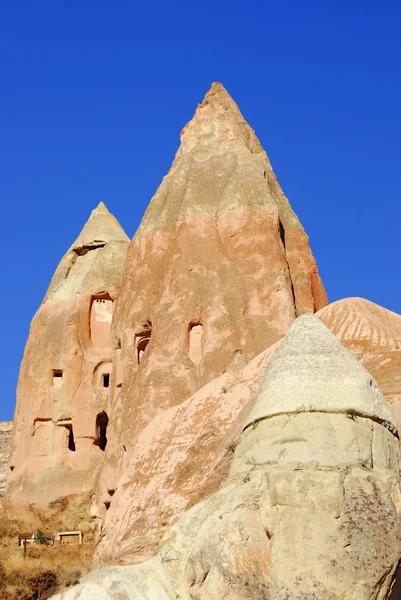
[(270, 532), (289, 388), (373, 335), (55, 441), (185, 452), (5, 445), (219, 264)]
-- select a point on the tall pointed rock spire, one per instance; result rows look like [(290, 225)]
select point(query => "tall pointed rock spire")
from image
[(93, 260), (219, 264), (101, 227), (56, 449)]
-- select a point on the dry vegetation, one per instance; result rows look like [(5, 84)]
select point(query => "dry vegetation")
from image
[(45, 568)]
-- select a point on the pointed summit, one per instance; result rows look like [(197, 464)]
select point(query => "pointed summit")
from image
[(100, 228), (218, 122), (94, 260), (312, 371)]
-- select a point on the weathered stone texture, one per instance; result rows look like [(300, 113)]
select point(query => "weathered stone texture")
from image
[(185, 452), (5, 445), (311, 506), (55, 442), (373, 335), (219, 264)]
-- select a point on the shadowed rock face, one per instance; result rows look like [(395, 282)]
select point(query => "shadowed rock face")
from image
[(311, 506), (55, 442), (219, 264)]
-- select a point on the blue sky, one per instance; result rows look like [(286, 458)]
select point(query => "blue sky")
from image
[(94, 95)]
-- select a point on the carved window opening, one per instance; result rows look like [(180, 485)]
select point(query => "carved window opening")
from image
[(101, 313), (12, 467), (71, 441), (195, 335), (102, 420), (142, 338), (57, 377), (106, 380)]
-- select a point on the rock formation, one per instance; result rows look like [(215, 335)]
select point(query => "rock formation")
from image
[(60, 421), (142, 384), (219, 265), (185, 452), (320, 422), (372, 334), (5, 442)]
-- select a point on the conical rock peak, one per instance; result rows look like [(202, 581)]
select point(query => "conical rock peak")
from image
[(312, 371), (218, 125), (102, 227)]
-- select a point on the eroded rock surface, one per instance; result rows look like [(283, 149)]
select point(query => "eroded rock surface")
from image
[(64, 383), (219, 264), (185, 452), (372, 334), (311, 506), (5, 446)]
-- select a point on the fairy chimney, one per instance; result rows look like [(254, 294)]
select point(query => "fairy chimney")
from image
[(60, 423), (220, 264)]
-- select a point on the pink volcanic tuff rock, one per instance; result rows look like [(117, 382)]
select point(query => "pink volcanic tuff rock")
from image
[(185, 452), (220, 263), (372, 334), (57, 437)]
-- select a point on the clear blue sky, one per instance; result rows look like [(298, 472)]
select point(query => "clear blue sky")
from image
[(94, 94)]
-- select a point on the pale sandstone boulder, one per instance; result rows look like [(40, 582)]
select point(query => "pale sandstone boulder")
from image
[(59, 427), (219, 264), (311, 507), (185, 452)]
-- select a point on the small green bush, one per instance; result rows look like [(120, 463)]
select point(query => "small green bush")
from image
[(41, 538)]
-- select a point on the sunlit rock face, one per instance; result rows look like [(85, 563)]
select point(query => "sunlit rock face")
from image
[(373, 335), (311, 505), (185, 452), (59, 427), (5, 445), (220, 264)]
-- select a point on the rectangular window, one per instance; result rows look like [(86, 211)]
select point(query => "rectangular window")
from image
[(57, 377), (106, 380)]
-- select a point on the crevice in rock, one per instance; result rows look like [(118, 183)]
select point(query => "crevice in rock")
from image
[(82, 250), (282, 232), (349, 415), (395, 586)]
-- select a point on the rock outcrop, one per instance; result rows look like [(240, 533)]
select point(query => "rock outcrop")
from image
[(320, 423), (60, 422), (373, 335), (5, 445), (185, 452), (219, 265)]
